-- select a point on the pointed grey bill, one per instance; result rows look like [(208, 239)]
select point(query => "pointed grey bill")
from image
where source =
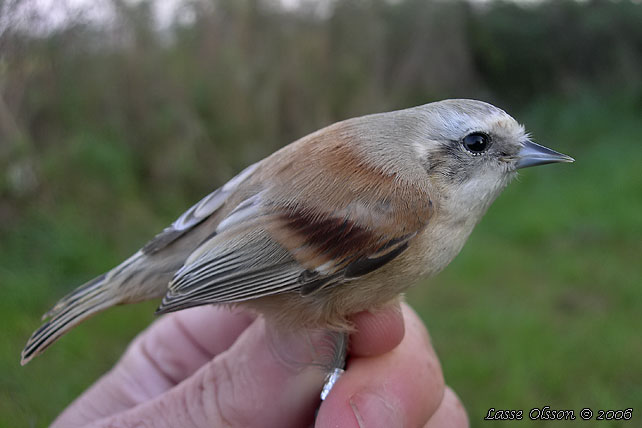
[(533, 154)]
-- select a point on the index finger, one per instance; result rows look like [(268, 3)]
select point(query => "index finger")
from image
[(168, 351)]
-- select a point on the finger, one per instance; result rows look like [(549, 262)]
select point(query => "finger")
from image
[(180, 343), (167, 352), (402, 388), (377, 332), (250, 385), (450, 414)]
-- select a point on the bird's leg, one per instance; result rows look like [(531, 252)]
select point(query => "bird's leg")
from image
[(338, 362)]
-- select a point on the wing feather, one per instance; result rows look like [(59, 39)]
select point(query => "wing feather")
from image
[(197, 213), (304, 233)]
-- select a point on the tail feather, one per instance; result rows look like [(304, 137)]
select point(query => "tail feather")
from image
[(72, 297), (77, 306), (137, 279)]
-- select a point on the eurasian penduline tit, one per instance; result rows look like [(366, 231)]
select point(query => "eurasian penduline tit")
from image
[(340, 221)]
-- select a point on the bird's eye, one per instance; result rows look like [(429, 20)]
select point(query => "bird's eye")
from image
[(476, 143)]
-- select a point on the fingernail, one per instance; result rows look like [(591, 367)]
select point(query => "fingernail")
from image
[(372, 410)]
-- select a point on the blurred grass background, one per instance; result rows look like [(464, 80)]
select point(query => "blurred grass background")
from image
[(114, 122)]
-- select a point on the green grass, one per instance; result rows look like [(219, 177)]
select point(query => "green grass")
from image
[(542, 307)]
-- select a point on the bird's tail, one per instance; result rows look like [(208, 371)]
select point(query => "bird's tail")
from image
[(137, 279), (85, 301)]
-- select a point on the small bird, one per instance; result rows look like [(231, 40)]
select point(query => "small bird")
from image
[(340, 221)]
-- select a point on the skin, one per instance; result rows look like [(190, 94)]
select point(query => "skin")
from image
[(181, 372)]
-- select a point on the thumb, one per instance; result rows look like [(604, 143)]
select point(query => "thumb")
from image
[(264, 379)]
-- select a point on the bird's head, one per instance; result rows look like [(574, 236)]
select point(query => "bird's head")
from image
[(472, 149)]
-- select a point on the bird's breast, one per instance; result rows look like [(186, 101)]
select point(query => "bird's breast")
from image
[(440, 242)]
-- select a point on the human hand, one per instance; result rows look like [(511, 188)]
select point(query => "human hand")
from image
[(209, 367)]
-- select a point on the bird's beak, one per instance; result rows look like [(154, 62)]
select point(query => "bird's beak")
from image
[(533, 154)]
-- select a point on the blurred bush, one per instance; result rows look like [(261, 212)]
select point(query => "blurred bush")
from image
[(177, 109)]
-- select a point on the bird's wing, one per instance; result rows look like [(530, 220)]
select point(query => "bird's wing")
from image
[(197, 213), (302, 233)]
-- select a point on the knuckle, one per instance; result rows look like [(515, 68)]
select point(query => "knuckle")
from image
[(435, 372), (229, 394), (124, 422), (159, 354), (450, 413), (459, 416), (430, 381)]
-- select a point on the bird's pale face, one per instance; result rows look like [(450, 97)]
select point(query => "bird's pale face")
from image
[(473, 151)]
